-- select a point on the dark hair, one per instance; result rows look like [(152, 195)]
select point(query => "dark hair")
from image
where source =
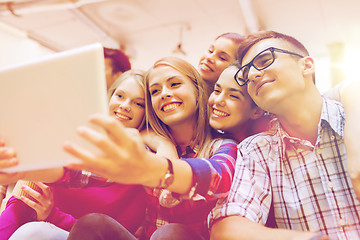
[(235, 37), (120, 61), (254, 38)]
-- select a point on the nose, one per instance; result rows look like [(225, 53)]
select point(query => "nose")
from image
[(254, 74), (220, 99), (165, 92), (125, 105), (209, 57)]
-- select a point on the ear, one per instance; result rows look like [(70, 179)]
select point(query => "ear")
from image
[(308, 66), (257, 113)]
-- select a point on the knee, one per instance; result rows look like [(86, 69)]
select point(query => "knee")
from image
[(175, 231), (36, 230), (95, 220)]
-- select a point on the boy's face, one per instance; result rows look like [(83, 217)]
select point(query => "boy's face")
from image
[(271, 87)]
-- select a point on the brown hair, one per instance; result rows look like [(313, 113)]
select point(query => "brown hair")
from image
[(202, 128), (254, 38), (120, 61)]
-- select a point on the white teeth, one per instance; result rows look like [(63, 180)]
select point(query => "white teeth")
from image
[(220, 113), (119, 115), (170, 106), (206, 67)]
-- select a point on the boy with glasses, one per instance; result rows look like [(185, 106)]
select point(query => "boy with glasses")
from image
[(298, 168)]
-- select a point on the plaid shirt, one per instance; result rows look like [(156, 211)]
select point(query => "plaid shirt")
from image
[(308, 185), (212, 180)]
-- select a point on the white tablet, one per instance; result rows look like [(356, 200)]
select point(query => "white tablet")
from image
[(42, 102)]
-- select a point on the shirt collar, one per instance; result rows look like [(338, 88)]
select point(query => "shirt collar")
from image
[(332, 114)]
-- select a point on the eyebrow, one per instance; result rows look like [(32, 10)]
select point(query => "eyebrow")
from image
[(232, 89), (168, 79), (236, 90)]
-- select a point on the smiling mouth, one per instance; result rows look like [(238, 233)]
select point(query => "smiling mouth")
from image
[(121, 116), (206, 67), (170, 107), (261, 84), (220, 113)]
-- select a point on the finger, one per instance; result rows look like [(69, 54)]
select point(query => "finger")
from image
[(33, 193), (7, 152), (78, 152), (87, 159), (46, 190), (100, 140), (30, 203), (5, 163), (112, 126)]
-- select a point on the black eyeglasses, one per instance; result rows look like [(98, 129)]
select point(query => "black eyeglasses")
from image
[(261, 61)]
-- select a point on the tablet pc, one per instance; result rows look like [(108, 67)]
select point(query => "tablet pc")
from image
[(43, 101)]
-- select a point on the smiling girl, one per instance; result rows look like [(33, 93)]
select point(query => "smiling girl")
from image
[(181, 190)]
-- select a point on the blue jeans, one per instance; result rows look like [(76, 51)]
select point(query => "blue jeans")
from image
[(96, 226)]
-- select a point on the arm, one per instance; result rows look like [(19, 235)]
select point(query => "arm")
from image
[(160, 145), (213, 176), (124, 158), (40, 198), (237, 227)]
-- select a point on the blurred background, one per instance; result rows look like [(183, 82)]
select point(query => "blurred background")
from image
[(147, 30)]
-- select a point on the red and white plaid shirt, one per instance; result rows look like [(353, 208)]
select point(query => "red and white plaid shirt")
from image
[(308, 185)]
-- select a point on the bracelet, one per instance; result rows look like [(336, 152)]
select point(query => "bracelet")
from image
[(168, 177)]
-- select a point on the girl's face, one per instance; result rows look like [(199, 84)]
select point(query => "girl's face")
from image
[(230, 105), (127, 104), (219, 55), (173, 96)]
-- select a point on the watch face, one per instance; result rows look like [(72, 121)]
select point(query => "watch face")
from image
[(169, 179)]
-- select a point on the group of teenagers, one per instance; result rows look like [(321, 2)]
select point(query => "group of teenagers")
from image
[(242, 147)]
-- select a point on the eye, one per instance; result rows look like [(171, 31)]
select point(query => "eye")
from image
[(154, 92), (140, 104), (119, 95), (234, 96), (175, 84), (223, 58), (263, 60), (217, 91)]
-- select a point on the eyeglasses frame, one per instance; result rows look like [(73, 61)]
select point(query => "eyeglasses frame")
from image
[(250, 64)]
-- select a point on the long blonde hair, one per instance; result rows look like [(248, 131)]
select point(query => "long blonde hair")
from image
[(202, 134), (136, 74)]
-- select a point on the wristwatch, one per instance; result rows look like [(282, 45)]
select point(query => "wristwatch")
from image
[(169, 176)]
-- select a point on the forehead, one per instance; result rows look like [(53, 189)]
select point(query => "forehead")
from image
[(129, 84), (262, 45), (224, 44), (226, 78), (162, 73)]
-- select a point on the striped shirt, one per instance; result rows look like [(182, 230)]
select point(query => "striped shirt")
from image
[(212, 180), (308, 185)]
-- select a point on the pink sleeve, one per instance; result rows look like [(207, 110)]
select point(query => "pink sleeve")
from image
[(14, 215), (61, 219)]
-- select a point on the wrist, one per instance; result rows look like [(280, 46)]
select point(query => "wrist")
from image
[(168, 178)]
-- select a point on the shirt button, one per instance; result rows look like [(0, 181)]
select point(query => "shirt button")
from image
[(332, 137), (331, 185), (342, 222)]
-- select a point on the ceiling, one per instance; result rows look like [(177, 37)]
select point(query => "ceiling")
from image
[(150, 29)]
